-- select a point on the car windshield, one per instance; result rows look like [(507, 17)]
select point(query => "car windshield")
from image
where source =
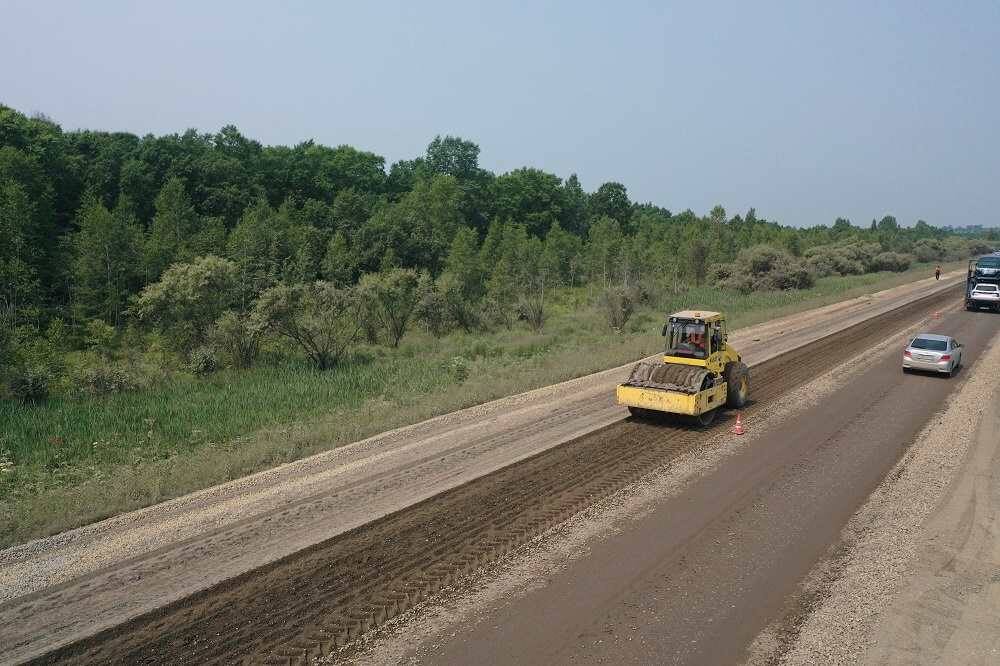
[(929, 344), (988, 262), (686, 339), (986, 287)]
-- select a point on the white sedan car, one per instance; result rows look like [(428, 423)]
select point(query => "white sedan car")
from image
[(984, 296), (933, 353)]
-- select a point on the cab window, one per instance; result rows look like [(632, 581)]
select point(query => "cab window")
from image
[(687, 339)]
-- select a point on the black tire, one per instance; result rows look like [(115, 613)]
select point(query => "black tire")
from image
[(705, 419), (737, 376), (643, 413)]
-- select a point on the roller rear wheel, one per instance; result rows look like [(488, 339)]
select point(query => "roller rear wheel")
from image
[(640, 413), (737, 376), (706, 418)]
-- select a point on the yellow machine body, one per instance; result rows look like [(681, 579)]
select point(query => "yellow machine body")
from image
[(672, 402), (677, 386)]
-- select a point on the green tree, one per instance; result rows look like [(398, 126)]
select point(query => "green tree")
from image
[(574, 218), (174, 228), (532, 283), (350, 211), (260, 246), (338, 261), (105, 264), (562, 256), (32, 220), (842, 226), (530, 197), (463, 262), (604, 247), (611, 200), (308, 246), (403, 176), (418, 230), (697, 258), (489, 251), (717, 216), (502, 287), (453, 156), (20, 291)]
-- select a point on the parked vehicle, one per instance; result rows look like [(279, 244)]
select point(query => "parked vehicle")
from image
[(985, 295), (982, 271)]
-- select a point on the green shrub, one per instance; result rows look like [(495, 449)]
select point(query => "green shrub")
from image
[(432, 310), (928, 249), (458, 367), (827, 260), (892, 261), (531, 309), (105, 380), (977, 248), (203, 362), (320, 318), (766, 268), (238, 337), (188, 300), (618, 303), (99, 337), (30, 384), (391, 298)]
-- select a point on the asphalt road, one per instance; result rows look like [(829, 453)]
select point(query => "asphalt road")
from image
[(696, 580)]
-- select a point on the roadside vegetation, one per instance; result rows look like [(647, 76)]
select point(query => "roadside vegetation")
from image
[(181, 310)]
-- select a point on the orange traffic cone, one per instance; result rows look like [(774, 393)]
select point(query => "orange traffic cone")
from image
[(738, 427), (937, 314)]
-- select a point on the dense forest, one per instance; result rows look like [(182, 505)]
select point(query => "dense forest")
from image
[(206, 244)]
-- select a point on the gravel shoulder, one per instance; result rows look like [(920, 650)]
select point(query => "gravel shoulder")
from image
[(139, 561), (916, 578)]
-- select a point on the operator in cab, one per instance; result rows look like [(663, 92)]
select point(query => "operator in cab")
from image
[(687, 339)]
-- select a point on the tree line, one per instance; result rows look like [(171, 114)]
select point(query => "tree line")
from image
[(115, 230)]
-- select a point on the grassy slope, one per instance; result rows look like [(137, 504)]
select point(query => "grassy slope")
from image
[(71, 461)]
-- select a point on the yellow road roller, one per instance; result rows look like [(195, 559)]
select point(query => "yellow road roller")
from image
[(699, 373)]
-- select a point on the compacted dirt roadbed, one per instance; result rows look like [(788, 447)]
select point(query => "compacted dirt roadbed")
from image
[(338, 587), (695, 580), (917, 579)]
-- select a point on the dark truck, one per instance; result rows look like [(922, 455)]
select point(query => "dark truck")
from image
[(982, 286)]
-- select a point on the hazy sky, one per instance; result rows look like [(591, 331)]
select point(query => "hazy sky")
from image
[(805, 110)]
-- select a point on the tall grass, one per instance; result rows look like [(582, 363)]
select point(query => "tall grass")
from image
[(71, 461)]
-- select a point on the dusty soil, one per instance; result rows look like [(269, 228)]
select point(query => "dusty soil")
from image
[(532, 567), (694, 581), (916, 576), (329, 594)]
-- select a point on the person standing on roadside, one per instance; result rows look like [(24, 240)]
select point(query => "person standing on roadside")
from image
[(937, 273)]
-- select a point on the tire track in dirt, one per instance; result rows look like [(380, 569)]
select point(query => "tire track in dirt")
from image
[(328, 595)]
